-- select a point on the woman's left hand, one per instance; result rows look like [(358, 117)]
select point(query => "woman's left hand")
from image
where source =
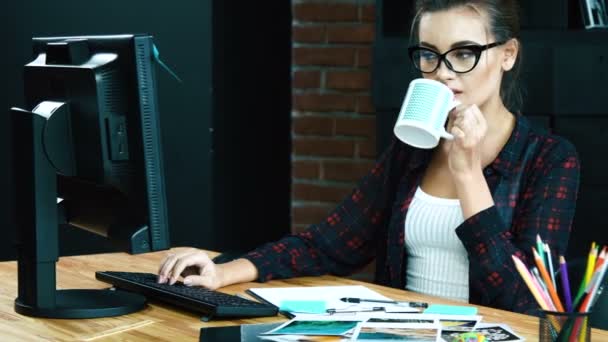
[(469, 127)]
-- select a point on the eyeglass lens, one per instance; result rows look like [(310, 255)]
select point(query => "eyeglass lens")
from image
[(459, 60)]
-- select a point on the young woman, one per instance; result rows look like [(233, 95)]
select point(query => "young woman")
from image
[(446, 221)]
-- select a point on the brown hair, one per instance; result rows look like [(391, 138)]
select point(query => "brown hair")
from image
[(503, 22)]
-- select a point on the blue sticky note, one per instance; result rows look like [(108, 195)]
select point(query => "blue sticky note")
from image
[(451, 309), (303, 306)]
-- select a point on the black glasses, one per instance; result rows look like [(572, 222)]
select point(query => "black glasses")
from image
[(460, 59)]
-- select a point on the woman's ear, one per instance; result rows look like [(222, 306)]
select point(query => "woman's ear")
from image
[(510, 53)]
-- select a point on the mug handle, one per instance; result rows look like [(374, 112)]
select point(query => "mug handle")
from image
[(444, 134)]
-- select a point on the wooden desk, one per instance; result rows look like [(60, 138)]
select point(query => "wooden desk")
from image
[(163, 323)]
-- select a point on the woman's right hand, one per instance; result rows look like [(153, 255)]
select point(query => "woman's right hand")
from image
[(196, 268)]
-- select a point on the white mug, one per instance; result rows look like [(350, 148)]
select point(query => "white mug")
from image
[(425, 109)]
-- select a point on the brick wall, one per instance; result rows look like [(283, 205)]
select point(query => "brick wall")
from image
[(333, 119)]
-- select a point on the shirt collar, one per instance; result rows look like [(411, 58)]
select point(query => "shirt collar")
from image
[(510, 154)]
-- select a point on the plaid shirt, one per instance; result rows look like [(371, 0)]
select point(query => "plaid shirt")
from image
[(534, 183)]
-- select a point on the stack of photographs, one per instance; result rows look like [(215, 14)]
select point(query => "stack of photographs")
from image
[(393, 327)]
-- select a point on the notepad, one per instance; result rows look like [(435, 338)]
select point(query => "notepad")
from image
[(330, 295), (451, 309)]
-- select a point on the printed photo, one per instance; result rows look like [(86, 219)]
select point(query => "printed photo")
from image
[(409, 328), (459, 323), (397, 334), (314, 327), (491, 332), (498, 333)]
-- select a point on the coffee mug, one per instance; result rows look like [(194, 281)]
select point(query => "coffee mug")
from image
[(425, 109)]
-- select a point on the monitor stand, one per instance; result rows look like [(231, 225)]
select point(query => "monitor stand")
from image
[(42, 148), (84, 304)]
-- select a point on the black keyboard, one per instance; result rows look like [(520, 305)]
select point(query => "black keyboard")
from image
[(210, 303)]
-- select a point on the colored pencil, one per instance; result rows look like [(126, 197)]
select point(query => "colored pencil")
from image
[(601, 259), (598, 293), (583, 285), (565, 283), (550, 287), (591, 263), (594, 285), (527, 277), (542, 289), (550, 262), (539, 248)]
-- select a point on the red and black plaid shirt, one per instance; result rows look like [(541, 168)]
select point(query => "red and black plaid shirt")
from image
[(534, 183)]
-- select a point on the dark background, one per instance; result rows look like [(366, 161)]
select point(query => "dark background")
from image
[(226, 128), (564, 78)]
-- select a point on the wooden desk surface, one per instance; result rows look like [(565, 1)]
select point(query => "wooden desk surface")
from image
[(163, 323)]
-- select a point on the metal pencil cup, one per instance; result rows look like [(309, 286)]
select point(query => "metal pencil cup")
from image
[(564, 326)]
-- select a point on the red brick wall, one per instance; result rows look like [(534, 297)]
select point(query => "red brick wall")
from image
[(333, 118)]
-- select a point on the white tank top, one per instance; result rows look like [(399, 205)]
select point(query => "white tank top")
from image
[(437, 262)]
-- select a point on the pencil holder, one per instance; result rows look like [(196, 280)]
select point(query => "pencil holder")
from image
[(564, 326)]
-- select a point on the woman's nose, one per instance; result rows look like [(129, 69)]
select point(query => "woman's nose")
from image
[(443, 72)]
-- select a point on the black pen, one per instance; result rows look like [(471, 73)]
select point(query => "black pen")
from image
[(410, 304), (334, 311)]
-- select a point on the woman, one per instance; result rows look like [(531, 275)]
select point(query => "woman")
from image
[(446, 221)]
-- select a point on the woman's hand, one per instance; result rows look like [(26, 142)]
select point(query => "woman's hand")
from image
[(466, 159), (469, 127), (194, 266)]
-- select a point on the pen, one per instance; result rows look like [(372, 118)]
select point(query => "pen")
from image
[(360, 300), (334, 311)]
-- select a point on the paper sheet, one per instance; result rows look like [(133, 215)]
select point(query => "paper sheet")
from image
[(330, 294)]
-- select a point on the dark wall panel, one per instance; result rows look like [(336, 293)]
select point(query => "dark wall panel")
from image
[(581, 78)]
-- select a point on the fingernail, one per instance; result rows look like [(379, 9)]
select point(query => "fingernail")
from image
[(188, 282), (160, 279)]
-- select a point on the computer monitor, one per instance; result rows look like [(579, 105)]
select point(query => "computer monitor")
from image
[(91, 137)]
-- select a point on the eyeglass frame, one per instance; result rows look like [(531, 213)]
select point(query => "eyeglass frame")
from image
[(477, 50)]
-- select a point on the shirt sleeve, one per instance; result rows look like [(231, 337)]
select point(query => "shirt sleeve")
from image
[(345, 241), (546, 207)]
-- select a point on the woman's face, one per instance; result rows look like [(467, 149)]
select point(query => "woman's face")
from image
[(444, 30)]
